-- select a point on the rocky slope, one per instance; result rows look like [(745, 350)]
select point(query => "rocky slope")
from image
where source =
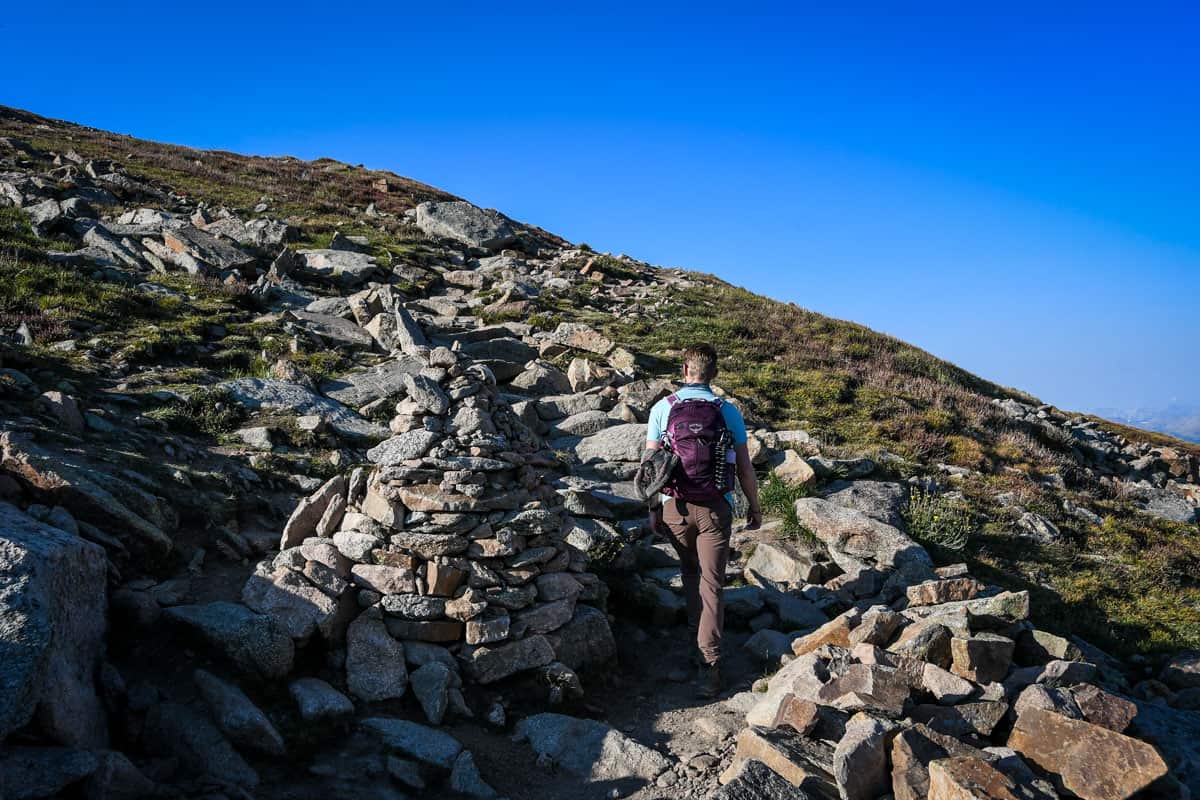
[(315, 481)]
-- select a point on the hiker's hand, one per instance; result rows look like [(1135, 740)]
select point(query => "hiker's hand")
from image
[(754, 520), (656, 521)]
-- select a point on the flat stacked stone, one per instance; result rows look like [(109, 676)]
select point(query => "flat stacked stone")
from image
[(452, 536)]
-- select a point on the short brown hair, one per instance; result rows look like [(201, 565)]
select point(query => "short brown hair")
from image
[(701, 360)]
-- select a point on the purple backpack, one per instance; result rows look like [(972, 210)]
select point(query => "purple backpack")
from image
[(696, 432)]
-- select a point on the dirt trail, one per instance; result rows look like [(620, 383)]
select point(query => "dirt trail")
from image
[(644, 699)]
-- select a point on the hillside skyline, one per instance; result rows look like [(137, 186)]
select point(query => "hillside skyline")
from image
[(1027, 215), (1175, 417)]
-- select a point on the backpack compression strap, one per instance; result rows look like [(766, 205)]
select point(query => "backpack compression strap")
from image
[(672, 399)]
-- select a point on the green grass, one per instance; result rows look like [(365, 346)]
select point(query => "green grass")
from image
[(839, 380), (938, 521), (48, 297), (779, 497), (201, 411)]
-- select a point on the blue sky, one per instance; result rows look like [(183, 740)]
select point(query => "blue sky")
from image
[(1016, 190)]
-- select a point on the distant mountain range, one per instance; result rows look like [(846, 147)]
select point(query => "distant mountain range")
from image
[(1182, 421)]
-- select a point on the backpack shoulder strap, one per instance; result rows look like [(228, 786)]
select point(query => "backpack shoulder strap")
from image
[(672, 399)]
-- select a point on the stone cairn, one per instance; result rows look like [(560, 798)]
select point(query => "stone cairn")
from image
[(452, 538)]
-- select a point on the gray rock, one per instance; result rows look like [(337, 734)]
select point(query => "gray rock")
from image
[(257, 437), (1040, 528), (465, 778), (425, 744), (793, 613), (585, 423), (506, 357), (769, 646), (418, 654), (556, 586), (175, 730), (27, 773), (374, 661), (307, 515), (409, 336), (296, 604), (545, 617), (756, 781), (237, 716), (589, 749), (263, 233), (317, 700), (65, 409), (859, 543), (406, 772), (426, 393), (466, 223), (559, 406), (206, 248), (53, 610), (429, 545), (356, 546), (350, 268), (640, 396), (402, 447), (490, 664), (860, 760), (358, 388), (1174, 733), (586, 641), (581, 337), (255, 643), (867, 687), (803, 676), (618, 443), (43, 215), (589, 534), (1166, 504), (335, 331), (275, 395), (541, 378), (116, 779), (784, 564), (879, 500), (430, 684), (411, 606), (384, 579), (1182, 670), (88, 493)]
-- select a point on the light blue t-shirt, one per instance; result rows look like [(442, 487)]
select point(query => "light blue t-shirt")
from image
[(656, 425)]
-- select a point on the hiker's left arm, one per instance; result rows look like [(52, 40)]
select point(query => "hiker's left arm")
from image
[(749, 482)]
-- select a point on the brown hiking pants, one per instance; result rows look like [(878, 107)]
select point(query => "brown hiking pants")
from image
[(700, 533)]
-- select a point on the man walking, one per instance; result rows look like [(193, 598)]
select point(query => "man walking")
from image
[(708, 436)]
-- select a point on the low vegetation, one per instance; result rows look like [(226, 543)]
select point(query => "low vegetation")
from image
[(778, 497), (938, 521)]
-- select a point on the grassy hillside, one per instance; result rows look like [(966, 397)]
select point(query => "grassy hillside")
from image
[(1127, 583)]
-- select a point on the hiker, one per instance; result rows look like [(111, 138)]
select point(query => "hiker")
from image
[(707, 437)]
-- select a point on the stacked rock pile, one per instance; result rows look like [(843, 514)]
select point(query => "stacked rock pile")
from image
[(452, 537), (930, 683)]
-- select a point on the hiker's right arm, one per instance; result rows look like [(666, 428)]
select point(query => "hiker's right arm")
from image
[(749, 482)]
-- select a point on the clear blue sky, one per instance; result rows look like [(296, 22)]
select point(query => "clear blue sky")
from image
[(1017, 191)]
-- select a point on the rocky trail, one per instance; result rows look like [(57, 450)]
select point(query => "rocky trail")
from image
[(365, 527)]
